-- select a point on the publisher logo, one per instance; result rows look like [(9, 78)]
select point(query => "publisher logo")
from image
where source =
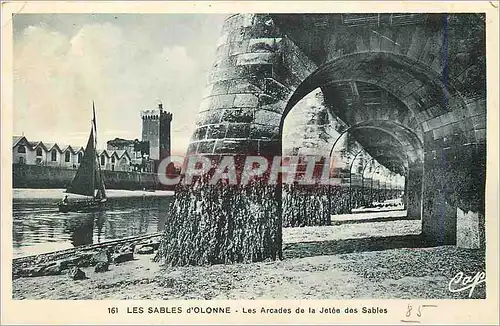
[(461, 282)]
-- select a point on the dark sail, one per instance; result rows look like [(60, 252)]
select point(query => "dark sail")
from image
[(84, 181), (99, 182)]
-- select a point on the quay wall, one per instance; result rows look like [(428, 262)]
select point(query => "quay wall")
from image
[(47, 177)]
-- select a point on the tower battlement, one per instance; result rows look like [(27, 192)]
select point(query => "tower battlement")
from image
[(165, 115), (156, 114), (150, 114)]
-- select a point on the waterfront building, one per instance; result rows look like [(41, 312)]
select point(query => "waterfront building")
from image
[(41, 153), (115, 160), (45, 154), (120, 154), (136, 150)]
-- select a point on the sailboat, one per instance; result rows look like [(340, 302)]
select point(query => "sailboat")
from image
[(88, 180)]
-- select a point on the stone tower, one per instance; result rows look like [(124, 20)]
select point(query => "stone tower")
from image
[(156, 130)]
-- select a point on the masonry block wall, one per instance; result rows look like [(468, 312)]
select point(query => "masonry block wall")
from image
[(308, 129), (454, 181), (241, 111), (239, 116), (47, 177)]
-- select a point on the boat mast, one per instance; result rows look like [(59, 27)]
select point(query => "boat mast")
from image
[(95, 145), (101, 181)]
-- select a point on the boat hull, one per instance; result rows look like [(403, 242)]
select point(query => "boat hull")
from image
[(81, 207)]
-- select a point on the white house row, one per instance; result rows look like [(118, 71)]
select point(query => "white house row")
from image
[(67, 156)]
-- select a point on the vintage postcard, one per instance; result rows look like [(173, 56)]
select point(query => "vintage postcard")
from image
[(250, 162)]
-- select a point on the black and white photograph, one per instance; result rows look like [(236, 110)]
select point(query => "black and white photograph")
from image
[(250, 156)]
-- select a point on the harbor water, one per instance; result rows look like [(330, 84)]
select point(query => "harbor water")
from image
[(39, 227)]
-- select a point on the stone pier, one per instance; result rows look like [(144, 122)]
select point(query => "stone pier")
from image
[(409, 89)]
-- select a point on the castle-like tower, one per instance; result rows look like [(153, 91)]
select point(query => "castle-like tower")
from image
[(156, 130)]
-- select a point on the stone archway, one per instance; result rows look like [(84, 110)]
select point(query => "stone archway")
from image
[(436, 116), (429, 73), (406, 157)]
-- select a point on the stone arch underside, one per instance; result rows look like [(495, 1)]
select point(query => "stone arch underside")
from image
[(433, 112), (406, 149), (390, 138)]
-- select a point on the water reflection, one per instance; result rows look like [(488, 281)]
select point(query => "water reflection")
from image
[(81, 230), (39, 227)]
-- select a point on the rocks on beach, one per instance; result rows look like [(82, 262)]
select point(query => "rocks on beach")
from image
[(77, 274), (102, 256), (145, 250), (44, 270), (101, 259), (101, 267), (123, 253), (53, 264), (121, 257), (56, 267), (153, 242)]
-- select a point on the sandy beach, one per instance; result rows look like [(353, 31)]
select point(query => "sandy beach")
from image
[(333, 262)]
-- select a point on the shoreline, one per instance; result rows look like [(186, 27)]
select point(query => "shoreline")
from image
[(75, 250), (314, 233), (20, 194), (291, 236)]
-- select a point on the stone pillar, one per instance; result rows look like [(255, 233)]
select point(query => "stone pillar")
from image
[(307, 204), (438, 216), (413, 192), (239, 116), (244, 97), (469, 229), (454, 181), (308, 133)]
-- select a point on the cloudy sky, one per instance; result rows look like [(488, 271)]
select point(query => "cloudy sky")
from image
[(123, 62)]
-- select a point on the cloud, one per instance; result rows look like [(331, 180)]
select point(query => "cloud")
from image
[(57, 76)]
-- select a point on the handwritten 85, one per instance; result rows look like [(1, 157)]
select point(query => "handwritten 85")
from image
[(410, 311), (416, 312)]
